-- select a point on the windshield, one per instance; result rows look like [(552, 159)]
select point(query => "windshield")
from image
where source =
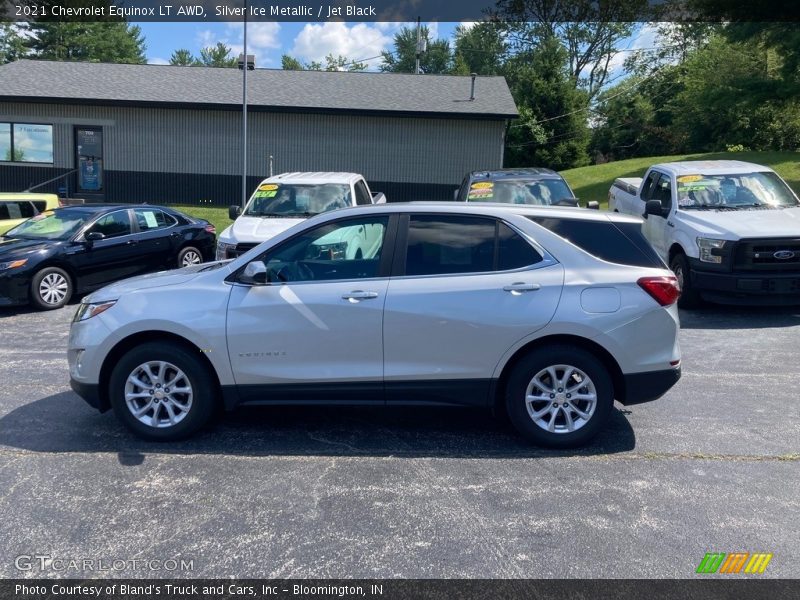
[(542, 192), (741, 190), (282, 200), (52, 225)]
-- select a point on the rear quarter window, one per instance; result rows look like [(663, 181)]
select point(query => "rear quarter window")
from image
[(620, 243)]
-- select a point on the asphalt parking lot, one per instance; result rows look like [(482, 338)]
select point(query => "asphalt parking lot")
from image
[(420, 493)]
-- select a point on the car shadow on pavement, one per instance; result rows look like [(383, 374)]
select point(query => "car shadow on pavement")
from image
[(61, 423), (740, 317)]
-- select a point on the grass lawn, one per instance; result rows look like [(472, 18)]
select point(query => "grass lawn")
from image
[(217, 215), (593, 183)]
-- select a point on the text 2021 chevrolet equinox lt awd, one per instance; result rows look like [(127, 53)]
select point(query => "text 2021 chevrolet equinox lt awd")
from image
[(547, 313)]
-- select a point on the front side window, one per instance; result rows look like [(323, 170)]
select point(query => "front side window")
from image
[(148, 219), (362, 195), (445, 245), (349, 249), (649, 183), (663, 191), (113, 224)]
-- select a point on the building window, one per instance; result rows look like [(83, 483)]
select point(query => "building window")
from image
[(26, 142)]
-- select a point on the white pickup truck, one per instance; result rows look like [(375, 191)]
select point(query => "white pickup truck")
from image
[(730, 230), (284, 200)]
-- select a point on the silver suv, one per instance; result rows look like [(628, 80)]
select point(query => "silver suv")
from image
[(547, 313)]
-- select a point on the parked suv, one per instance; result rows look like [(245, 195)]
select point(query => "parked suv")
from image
[(534, 186), (547, 313)]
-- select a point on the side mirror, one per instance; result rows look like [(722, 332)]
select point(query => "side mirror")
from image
[(594, 205), (255, 273), (653, 207), (234, 211), (93, 236)]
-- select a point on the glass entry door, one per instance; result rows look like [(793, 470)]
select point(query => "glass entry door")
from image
[(89, 152)]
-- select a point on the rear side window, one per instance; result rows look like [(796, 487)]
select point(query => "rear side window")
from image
[(621, 243), (16, 210), (445, 244)]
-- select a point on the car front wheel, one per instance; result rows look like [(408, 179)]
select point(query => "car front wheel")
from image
[(162, 391), (51, 288), (559, 396)]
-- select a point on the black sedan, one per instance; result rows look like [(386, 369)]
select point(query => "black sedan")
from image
[(77, 249)]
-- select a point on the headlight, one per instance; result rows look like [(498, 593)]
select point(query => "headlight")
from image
[(87, 311), (222, 250), (710, 250), (12, 264)]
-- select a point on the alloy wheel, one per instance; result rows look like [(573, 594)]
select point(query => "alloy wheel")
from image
[(158, 394), (53, 288), (561, 399), (191, 258)]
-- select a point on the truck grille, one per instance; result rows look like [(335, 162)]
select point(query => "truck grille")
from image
[(240, 249), (768, 255)]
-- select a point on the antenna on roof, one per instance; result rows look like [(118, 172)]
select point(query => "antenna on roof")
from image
[(472, 88)]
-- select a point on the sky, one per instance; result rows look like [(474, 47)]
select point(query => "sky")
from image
[(313, 41), (269, 41)]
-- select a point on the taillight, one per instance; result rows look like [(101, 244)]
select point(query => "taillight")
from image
[(211, 229), (664, 290)]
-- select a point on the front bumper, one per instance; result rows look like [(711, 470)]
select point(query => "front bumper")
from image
[(746, 287), (648, 386), (91, 393), (14, 286)]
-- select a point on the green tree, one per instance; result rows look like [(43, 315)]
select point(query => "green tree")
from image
[(18, 155), (12, 44), (332, 63), (590, 32), (552, 129), (104, 41), (480, 49), (183, 58), (436, 59), (218, 55)]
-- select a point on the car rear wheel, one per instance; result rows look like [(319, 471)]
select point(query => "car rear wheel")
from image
[(189, 256), (559, 396), (51, 288), (690, 298), (162, 391)]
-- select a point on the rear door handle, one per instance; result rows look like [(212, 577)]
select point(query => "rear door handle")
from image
[(521, 287), (132, 242), (358, 295)]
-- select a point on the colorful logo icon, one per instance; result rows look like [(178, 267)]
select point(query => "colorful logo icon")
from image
[(735, 562)]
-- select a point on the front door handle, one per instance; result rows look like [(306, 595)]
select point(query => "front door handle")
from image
[(521, 287), (132, 242), (358, 295)]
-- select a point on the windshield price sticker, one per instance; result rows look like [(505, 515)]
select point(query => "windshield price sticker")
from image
[(689, 178), (482, 185), (267, 187), (266, 194)]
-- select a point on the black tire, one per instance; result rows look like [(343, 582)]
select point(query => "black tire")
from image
[(203, 401), (57, 280), (690, 297), (189, 250), (535, 362)]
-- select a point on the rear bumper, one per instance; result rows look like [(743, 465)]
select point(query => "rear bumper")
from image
[(649, 386), (746, 287)]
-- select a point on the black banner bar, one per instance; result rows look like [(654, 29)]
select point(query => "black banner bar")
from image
[(399, 10), (730, 588)]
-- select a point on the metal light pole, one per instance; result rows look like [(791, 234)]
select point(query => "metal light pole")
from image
[(245, 68)]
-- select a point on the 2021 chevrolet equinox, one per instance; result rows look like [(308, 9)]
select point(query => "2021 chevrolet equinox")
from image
[(547, 313)]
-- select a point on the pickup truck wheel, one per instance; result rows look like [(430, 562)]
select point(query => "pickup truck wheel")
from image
[(690, 298), (162, 392), (559, 396)]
